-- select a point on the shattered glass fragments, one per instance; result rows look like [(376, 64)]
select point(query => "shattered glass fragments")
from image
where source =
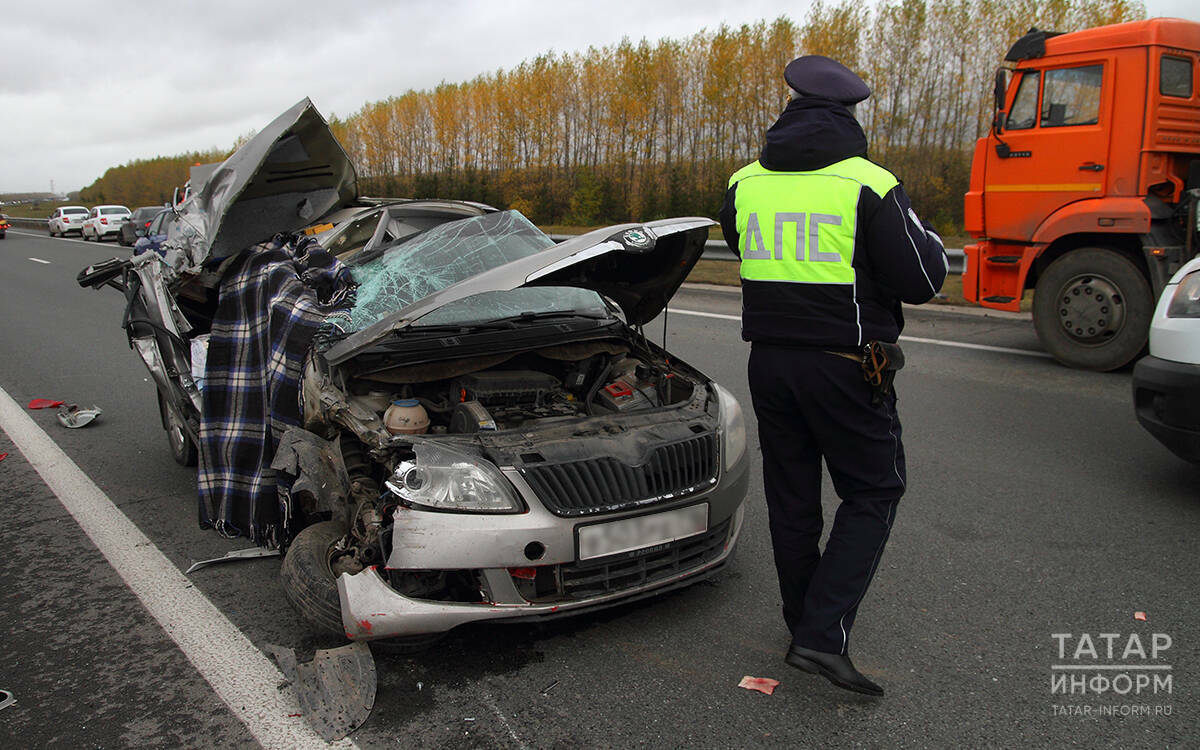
[(439, 257)]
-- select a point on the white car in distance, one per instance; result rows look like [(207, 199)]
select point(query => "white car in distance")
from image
[(66, 219), (103, 221)]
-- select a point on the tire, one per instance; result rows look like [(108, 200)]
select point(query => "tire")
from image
[(183, 450), (1092, 309), (308, 582)]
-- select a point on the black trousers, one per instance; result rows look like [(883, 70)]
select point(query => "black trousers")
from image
[(809, 405)]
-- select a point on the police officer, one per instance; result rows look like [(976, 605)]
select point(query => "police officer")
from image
[(829, 249)]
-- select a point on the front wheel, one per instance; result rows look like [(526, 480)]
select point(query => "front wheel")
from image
[(308, 580), (1092, 309)]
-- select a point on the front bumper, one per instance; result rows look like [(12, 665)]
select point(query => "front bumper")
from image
[(1166, 399), (491, 545)]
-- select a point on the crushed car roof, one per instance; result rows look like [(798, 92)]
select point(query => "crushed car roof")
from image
[(292, 172)]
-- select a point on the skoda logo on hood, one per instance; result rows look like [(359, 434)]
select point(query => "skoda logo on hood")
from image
[(638, 238)]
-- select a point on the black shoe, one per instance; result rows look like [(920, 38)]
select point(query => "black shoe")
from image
[(837, 668)]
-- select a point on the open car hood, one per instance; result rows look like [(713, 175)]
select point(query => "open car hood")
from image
[(638, 266), (289, 174)]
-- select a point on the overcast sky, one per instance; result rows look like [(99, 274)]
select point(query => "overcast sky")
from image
[(87, 86)]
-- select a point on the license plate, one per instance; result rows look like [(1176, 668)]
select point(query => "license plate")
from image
[(629, 534)]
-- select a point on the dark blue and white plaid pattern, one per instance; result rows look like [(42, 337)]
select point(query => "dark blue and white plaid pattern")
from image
[(273, 300)]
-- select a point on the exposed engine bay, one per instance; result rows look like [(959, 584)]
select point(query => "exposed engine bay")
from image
[(547, 406)]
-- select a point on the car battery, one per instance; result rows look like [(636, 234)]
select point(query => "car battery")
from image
[(622, 396)]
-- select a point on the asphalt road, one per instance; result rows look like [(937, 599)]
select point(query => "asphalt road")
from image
[(1036, 506)]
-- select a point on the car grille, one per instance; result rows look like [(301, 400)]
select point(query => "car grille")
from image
[(604, 485), (583, 580)]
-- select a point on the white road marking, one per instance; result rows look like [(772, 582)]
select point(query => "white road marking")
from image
[(979, 347), (914, 339), (491, 703), (39, 234), (237, 671), (39, 260)]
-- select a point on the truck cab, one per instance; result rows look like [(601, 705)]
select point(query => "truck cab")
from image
[(1085, 188)]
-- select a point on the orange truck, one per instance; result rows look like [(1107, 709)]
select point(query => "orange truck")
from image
[(1085, 189)]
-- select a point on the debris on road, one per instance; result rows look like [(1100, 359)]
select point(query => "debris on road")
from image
[(233, 556), (763, 685), (336, 690), (44, 403), (1139, 616), (549, 687), (3, 456), (6, 698), (72, 416)]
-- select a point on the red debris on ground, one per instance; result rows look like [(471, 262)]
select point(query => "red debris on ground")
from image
[(3, 456), (44, 403), (1139, 616), (763, 685)]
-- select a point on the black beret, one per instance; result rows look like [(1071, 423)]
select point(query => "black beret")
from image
[(817, 75)]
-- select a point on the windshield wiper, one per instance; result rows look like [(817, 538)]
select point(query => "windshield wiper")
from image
[(506, 323), (512, 321)]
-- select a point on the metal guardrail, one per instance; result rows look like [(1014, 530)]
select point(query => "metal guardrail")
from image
[(19, 221), (718, 250)]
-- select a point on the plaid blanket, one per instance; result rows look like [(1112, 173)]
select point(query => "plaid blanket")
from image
[(273, 300)]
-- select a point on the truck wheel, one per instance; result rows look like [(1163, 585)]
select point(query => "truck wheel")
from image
[(308, 581), (1092, 309)]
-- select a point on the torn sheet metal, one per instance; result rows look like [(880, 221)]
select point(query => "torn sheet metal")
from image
[(6, 699), (234, 556), (336, 690), (74, 416)]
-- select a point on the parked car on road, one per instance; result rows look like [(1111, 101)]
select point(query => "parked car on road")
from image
[(103, 221), (155, 234), (66, 219), (1166, 383), (137, 224), (485, 432)]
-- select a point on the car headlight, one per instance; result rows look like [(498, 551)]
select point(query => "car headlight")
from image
[(733, 426), (443, 479), (1185, 303)]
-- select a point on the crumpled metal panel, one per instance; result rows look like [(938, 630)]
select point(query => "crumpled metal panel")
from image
[(318, 468), (289, 174), (336, 690)]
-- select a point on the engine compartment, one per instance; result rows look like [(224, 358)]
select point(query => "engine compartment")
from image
[(529, 387)]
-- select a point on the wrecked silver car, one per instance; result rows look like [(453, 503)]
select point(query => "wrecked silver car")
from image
[(484, 431)]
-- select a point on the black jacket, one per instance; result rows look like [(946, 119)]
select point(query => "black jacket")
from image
[(896, 259)]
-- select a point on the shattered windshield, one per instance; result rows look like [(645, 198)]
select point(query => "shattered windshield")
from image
[(449, 253)]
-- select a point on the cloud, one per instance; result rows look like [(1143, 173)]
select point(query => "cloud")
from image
[(167, 79)]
